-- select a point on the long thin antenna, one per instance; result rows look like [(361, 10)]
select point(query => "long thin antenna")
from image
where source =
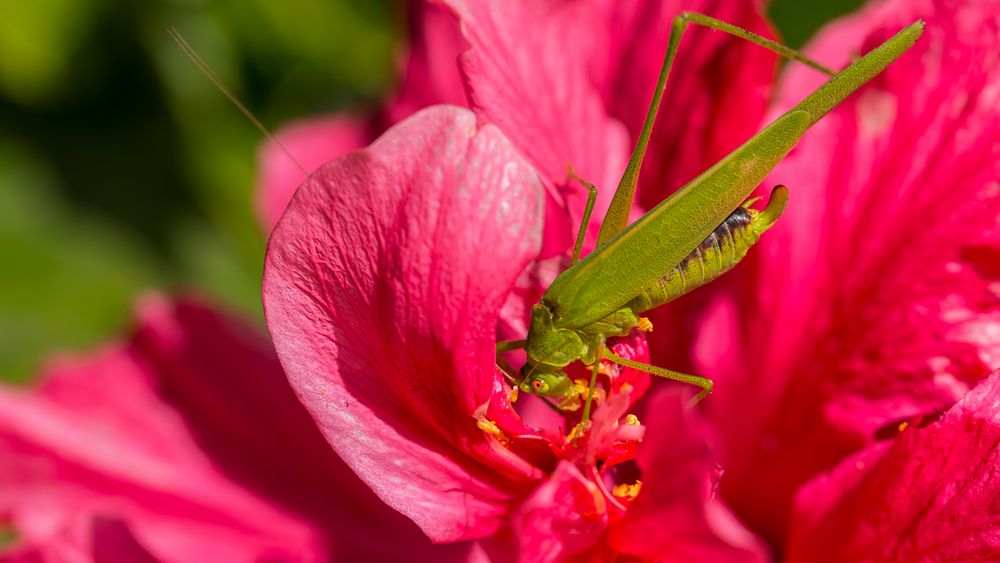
[(190, 52)]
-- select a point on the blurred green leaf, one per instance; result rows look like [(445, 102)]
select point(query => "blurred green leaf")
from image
[(38, 41), (797, 21), (68, 279)]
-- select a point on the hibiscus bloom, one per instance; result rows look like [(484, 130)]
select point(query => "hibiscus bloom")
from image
[(387, 275)]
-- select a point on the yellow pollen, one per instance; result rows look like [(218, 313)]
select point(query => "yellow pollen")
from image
[(512, 396), (644, 324), (627, 491), (575, 433), (604, 369), (903, 425), (631, 419), (491, 428), (625, 388)]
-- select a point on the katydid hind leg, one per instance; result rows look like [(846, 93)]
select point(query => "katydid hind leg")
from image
[(621, 205), (703, 382)]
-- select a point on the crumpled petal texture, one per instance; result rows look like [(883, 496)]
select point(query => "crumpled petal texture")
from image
[(934, 491), (877, 299), (382, 287)]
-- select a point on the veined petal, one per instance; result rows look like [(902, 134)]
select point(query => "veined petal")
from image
[(931, 494), (876, 297), (382, 287)]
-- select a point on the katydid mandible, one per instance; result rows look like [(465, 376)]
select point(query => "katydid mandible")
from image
[(690, 238)]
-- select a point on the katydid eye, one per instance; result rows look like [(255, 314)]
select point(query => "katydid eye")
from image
[(539, 386)]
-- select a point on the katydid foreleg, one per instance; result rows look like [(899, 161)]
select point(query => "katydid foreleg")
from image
[(587, 211), (598, 356)]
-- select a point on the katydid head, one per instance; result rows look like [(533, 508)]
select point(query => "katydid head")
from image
[(554, 384)]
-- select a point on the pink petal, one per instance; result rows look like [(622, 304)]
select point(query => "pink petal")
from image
[(382, 286), (312, 142), (676, 517), (88, 538), (225, 380), (431, 76), (562, 518), (128, 454), (528, 72), (875, 298), (930, 495)]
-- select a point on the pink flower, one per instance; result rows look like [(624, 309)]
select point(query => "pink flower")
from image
[(183, 444), (875, 303), (383, 286)]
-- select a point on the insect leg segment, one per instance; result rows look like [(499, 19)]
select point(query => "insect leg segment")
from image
[(587, 211), (508, 345), (717, 254), (703, 382), (598, 356), (774, 46)]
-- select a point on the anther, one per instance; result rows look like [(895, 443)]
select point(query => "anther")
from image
[(644, 324), (627, 491), (631, 419), (491, 428)]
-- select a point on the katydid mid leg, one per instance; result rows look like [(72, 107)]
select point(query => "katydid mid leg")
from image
[(598, 356), (703, 382), (617, 216)]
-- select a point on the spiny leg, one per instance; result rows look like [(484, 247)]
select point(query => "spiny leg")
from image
[(703, 382), (621, 204), (591, 199)]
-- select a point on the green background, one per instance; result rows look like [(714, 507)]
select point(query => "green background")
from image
[(122, 168)]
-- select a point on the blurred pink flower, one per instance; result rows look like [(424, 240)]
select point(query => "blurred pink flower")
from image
[(183, 444)]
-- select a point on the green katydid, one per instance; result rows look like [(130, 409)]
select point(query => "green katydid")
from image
[(654, 260)]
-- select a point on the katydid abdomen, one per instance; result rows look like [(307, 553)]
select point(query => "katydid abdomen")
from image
[(717, 254)]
